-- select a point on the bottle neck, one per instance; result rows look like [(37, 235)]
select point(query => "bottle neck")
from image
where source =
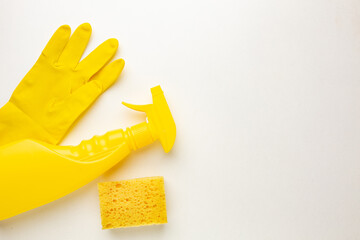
[(139, 135), (135, 137)]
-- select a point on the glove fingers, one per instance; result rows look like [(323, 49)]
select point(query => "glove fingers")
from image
[(108, 75), (76, 46), (56, 44), (84, 96), (97, 58)]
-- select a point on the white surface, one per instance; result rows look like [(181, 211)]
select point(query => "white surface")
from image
[(266, 97)]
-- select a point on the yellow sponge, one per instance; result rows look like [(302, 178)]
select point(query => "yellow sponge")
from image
[(132, 202)]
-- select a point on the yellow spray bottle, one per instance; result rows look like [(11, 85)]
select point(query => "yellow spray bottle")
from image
[(34, 173)]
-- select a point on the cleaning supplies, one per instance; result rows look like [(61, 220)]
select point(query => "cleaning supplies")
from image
[(58, 89), (133, 202), (33, 173)]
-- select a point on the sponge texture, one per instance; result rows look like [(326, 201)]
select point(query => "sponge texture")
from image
[(132, 202)]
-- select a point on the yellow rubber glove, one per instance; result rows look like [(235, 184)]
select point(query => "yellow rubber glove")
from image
[(59, 88)]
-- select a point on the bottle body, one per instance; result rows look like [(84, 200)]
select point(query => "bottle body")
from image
[(32, 174)]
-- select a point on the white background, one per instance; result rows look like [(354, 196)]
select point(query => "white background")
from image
[(266, 98)]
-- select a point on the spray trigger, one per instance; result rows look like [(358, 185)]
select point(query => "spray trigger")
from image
[(140, 108), (160, 122)]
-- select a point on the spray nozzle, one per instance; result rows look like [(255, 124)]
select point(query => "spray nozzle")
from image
[(160, 123)]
